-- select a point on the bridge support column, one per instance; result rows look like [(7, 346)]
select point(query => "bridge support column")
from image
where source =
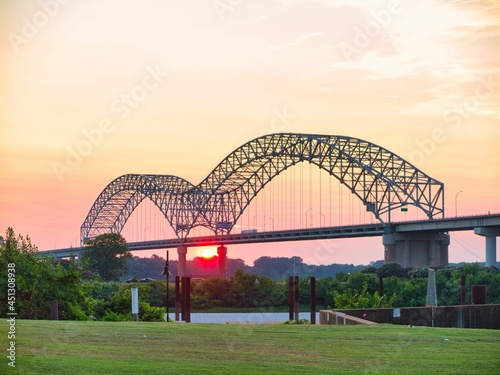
[(181, 256), (222, 253), (491, 243), (416, 249)]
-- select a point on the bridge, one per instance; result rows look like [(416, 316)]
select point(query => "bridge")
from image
[(480, 224), (383, 182)]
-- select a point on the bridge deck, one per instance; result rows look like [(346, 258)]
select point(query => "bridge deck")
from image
[(350, 231)]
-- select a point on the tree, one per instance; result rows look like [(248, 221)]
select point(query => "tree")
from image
[(350, 299), (107, 255), (37, 279), (243, 289), (392, 269)]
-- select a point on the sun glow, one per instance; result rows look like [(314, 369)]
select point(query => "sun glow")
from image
[(208, 253)]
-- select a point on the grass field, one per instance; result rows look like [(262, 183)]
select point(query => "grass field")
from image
[(65, 347)]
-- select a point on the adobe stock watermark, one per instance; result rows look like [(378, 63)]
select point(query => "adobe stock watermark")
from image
[(454, 118), (222, 7), (364, 36), (122, 107), (279, 120), (31, 26), (11, 302), (323, 252)]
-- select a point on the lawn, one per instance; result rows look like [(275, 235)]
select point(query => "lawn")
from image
[(66, 347)]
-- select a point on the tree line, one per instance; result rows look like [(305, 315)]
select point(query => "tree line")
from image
[(273, 267), (86, 290)]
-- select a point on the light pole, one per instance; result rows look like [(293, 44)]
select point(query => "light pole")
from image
[(456, 207), (324, 219), (272, 222), (310, 209)]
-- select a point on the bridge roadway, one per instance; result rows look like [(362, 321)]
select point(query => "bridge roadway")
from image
[(486, 225)]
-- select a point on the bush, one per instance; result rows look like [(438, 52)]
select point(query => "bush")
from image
[(300, 321), (111, 316), (148, 313)]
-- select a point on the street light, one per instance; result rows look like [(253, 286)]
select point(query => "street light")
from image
[(456, 197), (324, 219), (272, 222), (310, 209)]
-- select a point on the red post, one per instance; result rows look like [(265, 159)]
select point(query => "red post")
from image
[(290, 298), (177, 298), (183, 298), (296, 297), (187, 299), (313, 299)]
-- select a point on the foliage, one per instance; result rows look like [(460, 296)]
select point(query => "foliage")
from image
[(280, 268), (40, 279), (117, 305), (324, 289), (241, 290), (350, 299), (409, 293), (392, 269), (111, 316), (299, 321), (107, 255), (275, 268), (81, 295), (148, 267), (360, 281)]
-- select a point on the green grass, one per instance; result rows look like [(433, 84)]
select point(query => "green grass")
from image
[(65, 347)]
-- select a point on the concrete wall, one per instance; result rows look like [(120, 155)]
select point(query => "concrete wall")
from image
[(467, 316), (416, 249), (338, 318)]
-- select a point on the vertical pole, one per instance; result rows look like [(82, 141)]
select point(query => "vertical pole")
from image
[(181, 252), (296, 297), (177, 298), (183, 298), (222, 253), (380, 286), (313, 300), (290, 298), (431, 300), (462, 290), (462, 301), (187, 303), (167, 274)]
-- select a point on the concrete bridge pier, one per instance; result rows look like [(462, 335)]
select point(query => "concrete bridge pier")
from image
[(412, 249), (491, 234), (222, 253), (181, 256)]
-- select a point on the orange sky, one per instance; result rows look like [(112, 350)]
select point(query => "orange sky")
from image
[(172, 87)]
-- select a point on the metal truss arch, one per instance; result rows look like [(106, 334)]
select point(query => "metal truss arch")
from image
[(382, 180), (118, 200)]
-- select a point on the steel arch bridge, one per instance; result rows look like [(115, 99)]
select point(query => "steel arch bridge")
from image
[(382, 180)]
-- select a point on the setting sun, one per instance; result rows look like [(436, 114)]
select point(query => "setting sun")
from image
[(208, 253)]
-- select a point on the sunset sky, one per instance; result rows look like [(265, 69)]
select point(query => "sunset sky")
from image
[(91, 90)]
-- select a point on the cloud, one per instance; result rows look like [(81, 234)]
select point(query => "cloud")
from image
[(304, 37)]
